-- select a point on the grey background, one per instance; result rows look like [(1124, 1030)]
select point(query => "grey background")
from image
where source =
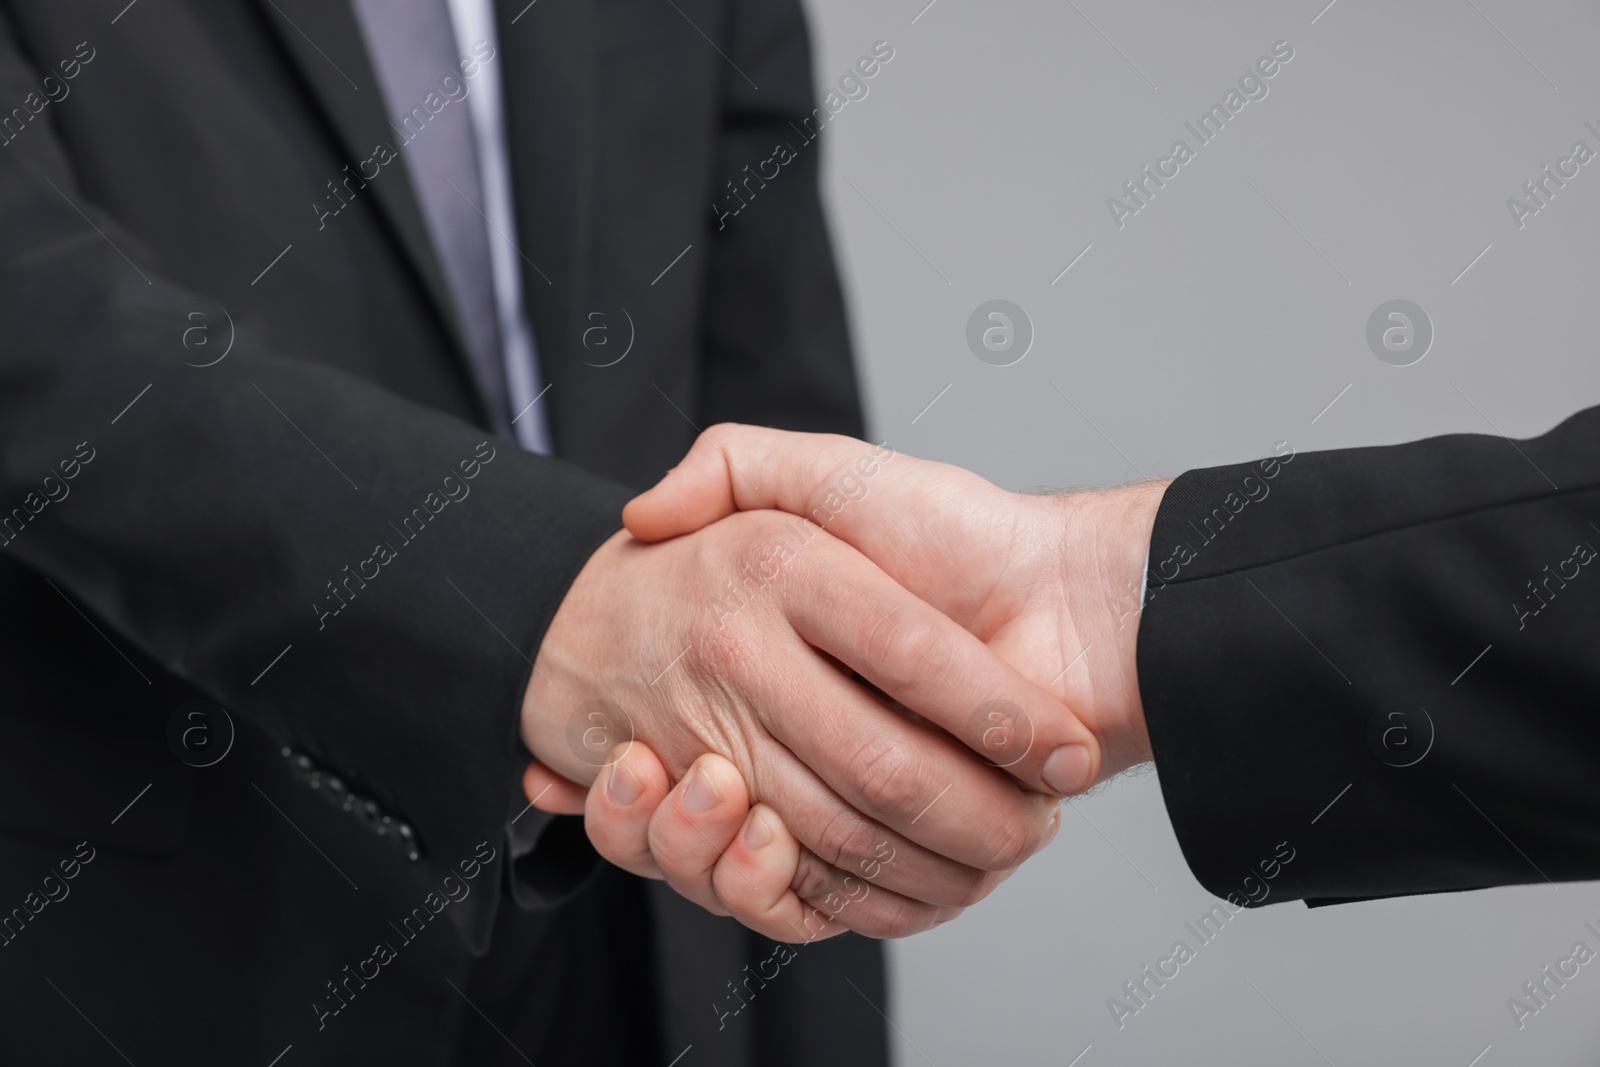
[(978, 167)]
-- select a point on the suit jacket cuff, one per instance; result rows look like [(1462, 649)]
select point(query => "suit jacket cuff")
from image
[(1309, 664), (549, 857)]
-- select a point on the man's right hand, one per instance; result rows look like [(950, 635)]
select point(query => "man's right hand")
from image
[(740, 640), (1050, 583)]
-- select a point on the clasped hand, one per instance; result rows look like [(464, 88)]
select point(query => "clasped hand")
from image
[(862, 722)]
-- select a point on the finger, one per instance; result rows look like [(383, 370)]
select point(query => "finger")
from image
[(549, 791), (918, 657), (768, 882), (695, 825), (732, 467), (753, 881), (742, 862), (860, 902), (693, 494), (621, 802), (913, 781), (921, 657), (843, 838), (942, 532), (863, 904)]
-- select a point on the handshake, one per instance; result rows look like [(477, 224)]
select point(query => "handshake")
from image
[(833, 687)]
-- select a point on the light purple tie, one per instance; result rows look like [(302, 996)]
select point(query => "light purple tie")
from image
[(417, 60)]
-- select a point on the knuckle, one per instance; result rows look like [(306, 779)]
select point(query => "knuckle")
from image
[(719, 433), (1011, 841), (888, 916), (813, 879), (845, 839), (900, 651), (750, 570), (886, 775), (662, 850), (721, 641)]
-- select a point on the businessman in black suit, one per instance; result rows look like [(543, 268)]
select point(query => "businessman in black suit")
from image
[(288, 585), (1360, 673)]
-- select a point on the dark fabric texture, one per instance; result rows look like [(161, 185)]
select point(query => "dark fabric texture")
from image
[(231, 373), (1371, 672), (423, 72)]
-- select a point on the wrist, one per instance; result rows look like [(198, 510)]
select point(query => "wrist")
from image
[(1107, 547), (562, 722)]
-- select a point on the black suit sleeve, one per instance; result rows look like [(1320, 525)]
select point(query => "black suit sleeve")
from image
[(363, 577), (1382, 664)]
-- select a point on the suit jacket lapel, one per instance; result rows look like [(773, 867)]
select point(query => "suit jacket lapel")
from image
[(549, 79), (325, 43)]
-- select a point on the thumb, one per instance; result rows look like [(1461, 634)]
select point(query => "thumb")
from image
[(694, 494), (809, 475)]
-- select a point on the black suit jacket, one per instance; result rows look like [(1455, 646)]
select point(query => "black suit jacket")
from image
[(1372, 672), (242, 460)]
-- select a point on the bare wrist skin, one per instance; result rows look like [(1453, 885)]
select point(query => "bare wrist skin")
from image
[(562, 666), (1105, 545)]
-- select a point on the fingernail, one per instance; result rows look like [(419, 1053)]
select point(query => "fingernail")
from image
[(757, 834), (623, 786), (701, 795), (1067, 770)]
